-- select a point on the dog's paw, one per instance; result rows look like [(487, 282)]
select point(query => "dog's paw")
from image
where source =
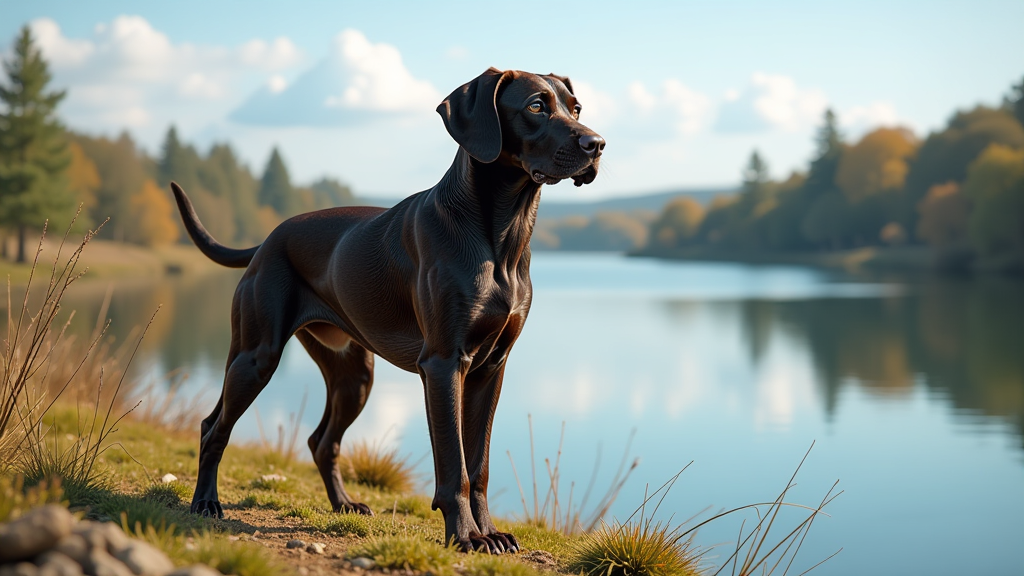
[(207, 508), (507, 540), (482, 544), (355, 508)]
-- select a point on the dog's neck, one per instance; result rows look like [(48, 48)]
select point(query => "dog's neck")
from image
[(496, 200)]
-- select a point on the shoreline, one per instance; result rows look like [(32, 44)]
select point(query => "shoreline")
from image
[(915, 260)]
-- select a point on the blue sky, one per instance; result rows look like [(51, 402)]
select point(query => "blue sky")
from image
[(682, 91)]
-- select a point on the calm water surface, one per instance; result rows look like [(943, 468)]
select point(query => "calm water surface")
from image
[(913, 392)]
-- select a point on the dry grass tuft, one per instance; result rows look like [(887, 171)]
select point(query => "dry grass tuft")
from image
[(372, 465), (643, 548), (41, 364), (572, 518), (639, 546)]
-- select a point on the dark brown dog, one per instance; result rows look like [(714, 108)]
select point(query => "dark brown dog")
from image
[(438, 285)]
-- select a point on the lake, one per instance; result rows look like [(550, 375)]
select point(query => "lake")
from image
[(911, 390)]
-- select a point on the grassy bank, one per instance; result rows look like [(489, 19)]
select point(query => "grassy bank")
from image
[(109, 259)]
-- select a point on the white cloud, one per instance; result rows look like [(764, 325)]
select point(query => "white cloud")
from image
[(771, 101), (675, 106), (276, 84), (691, 107), (276, 55), (598, 107), (358, 80), (456, 53), (60, 51), (872, 115), (130, 75)]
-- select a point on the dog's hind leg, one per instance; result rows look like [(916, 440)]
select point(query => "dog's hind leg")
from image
[(257, 341), (348, 373)]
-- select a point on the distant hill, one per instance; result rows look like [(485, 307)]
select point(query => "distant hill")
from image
[(555, 209), (647, 203)]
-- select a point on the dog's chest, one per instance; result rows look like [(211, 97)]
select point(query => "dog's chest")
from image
[(497, 320)]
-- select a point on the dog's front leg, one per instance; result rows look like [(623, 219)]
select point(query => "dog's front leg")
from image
[(480, 398), (443, 381)]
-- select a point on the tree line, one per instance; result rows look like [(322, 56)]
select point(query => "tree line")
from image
[(960, 191), (48, 172)]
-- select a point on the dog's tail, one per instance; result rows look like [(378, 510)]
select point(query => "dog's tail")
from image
[(219, 253)]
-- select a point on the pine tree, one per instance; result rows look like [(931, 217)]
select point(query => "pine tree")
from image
[(178, 163), (33, 146), (755, 179), (276, 188), (829, 141)]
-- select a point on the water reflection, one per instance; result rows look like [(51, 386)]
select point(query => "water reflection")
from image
[(963, 340)]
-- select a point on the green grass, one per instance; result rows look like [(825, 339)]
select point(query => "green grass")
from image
[(407, 553), (239, 558), (264, 500), (16, 499), (273, 484), (483, 565), (170, 493)]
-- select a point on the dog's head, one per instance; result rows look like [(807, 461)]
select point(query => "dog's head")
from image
[(526, 120)]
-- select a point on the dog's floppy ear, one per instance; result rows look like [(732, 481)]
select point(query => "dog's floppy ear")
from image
[(470, 114), (565, 80)]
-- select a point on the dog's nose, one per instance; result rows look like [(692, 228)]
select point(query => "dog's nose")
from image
[(592, 144)]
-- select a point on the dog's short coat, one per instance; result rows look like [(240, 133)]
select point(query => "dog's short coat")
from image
[(438, 285)]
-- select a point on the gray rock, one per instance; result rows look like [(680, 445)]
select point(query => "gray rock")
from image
[(20, 569), (35, 532), (144, 559), (73, 546), (295, 543), (104, 535), (195, 570), (363, 562), (315, 548), (168, 478), (56, 564), (100, 563)]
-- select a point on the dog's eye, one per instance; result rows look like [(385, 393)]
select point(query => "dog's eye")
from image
[(576, 112), (535, 107)]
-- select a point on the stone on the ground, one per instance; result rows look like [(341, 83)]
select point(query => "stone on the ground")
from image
[(56, 564), (33, 533), (144, 559), (73, 546), (295, 543), (363, 562), (168, 478), (195, 570), (20, 569), (48, 541), (273, 478), (100, 563), (103, 535), (315, 548)]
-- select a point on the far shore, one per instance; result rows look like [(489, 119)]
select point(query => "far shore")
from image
[(107, 259), (903, 259)]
